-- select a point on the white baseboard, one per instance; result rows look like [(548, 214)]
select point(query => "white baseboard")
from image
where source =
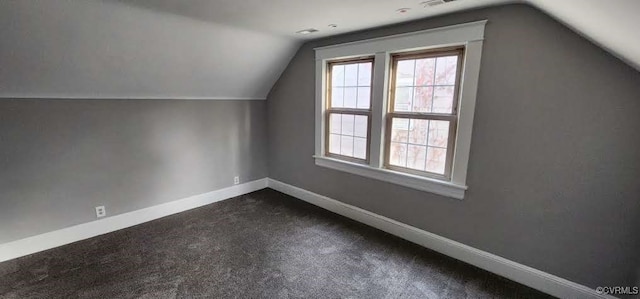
[(88, 230), (526, 275)]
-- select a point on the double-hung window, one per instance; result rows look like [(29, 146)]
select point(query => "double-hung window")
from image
[(348, 109), (422, 113), (400, 108)]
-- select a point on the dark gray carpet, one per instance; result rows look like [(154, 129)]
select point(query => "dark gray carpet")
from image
[(261, 245)]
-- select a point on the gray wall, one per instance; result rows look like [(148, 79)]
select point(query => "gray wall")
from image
[(61, 158), (553, 175)]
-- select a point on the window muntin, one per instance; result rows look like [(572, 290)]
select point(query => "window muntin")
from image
[(348, 112), (422, 116)]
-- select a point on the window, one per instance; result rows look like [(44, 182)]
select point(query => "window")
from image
[(400, 108), (422, 113), (349, 109)]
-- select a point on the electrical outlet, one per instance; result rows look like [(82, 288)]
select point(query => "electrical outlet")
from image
[(236, 180), (101, 211)]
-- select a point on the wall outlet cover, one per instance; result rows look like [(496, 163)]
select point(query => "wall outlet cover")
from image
[(101, 211)]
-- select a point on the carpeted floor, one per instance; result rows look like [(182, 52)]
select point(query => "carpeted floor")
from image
[(260, 245)]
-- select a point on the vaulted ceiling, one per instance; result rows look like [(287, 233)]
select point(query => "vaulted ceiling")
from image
[(611, 24), (285, 17), (222, 49)]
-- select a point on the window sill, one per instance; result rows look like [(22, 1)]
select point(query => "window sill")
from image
[(408, 180)]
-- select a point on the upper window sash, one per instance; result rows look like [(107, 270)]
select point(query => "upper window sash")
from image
[(358, 84), (396, 58)]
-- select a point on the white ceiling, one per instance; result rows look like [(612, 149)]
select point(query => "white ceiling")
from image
[(611, 24), (285, 17)]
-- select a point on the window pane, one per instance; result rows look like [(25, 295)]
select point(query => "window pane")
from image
[(416, 157), (360, 148), (443, 99), (418, 129), (423, 143), (364, 98), (426, 85), (337, 75), (351, 74), (335, 123), (364, 74), (361, 126), (398, 154), (405, 72), (439, 133), (425, 71), (346, 146), (436, 159), (403, 99), (400, 130), (351, 85), (337, 95), (334, 144), (423, 99), (350, 94), (446, 68), (347, 124), (348, 135)]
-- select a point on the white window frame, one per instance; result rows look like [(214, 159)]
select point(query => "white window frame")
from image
[(469, 35)]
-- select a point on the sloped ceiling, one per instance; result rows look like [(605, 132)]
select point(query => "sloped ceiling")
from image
[(613, 25), (99, 49), (220, 49), (285, 17)]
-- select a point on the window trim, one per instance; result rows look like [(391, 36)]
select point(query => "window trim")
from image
[(469, 35)]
